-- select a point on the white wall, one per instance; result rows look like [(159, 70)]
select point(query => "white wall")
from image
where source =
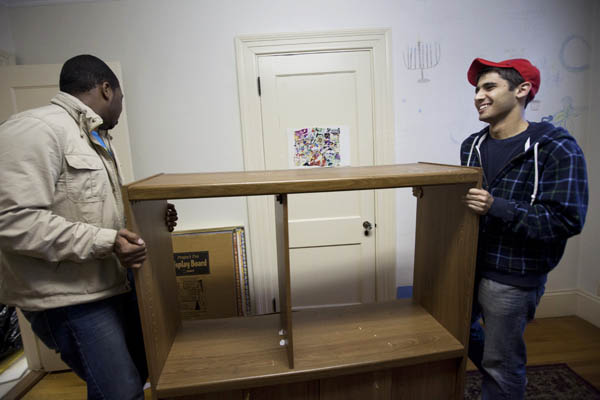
[(6, 40), (589, 261), (180, 84)]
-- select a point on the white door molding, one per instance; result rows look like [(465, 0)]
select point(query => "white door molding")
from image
[(248, 49)]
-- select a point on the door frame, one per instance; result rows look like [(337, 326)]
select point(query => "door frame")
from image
[(262, 254)]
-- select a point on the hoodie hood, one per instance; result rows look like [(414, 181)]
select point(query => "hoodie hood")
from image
[(540, 134)]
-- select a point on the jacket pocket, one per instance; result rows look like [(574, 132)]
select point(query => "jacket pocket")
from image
[(86, 178)]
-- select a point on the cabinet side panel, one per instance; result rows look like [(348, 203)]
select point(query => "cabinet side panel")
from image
[(445, 253), (445, 257), (155, 283), (283, 272)]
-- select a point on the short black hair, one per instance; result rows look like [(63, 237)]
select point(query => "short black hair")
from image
[(511, 75), (83, 73)]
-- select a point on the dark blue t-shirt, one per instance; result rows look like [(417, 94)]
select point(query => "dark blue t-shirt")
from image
[(496, 153)]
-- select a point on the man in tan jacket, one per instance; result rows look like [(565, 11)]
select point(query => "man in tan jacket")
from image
[(64, 251)]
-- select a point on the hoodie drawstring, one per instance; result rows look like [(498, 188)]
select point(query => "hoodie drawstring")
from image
[(536, 176), (478, 142), (527, 145)]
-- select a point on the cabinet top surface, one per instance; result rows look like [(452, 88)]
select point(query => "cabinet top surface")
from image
[(253, 183)]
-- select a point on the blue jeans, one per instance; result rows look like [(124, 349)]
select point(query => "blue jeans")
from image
[(498, 349), (101, 341)]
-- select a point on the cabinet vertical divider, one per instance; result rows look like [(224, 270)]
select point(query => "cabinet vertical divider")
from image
[(283, 272)]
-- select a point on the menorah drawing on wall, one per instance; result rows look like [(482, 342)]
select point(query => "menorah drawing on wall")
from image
[(422, 56)]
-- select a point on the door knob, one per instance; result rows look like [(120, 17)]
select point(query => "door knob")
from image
[(368, 226)]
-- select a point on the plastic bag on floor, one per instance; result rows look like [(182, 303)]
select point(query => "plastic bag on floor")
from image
[(10, 334)]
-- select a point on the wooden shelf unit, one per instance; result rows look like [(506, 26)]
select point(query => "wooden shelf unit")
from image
[(404, 349)]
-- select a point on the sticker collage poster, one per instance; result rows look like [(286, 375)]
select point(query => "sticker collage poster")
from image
[(318, 147)]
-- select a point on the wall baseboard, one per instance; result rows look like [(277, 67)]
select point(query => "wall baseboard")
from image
[(555, 303), (561, 303), (589, 308), (558, 303)]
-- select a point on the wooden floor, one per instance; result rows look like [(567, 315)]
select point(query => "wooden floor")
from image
[(550, 340), (570, 340)]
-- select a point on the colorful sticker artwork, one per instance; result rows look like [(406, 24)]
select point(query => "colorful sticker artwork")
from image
[(317, 147)]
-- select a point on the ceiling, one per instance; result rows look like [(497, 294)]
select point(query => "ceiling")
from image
[(31, 3)]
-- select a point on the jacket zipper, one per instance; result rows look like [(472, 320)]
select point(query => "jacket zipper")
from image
[(115, 185)]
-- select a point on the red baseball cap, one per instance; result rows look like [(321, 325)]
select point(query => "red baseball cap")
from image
[(527, 70)]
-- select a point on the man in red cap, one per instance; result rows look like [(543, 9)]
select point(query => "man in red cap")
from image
[(534, 197)]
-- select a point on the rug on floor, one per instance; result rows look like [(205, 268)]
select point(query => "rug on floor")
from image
[(545, 382)]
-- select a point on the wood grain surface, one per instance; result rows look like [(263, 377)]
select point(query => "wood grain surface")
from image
[(234, 353), (286, 333), (549, 340), (252, 183), (155, 282), (445, 256)]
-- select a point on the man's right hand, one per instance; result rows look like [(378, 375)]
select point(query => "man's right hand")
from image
[(130, 249), (478, 200)]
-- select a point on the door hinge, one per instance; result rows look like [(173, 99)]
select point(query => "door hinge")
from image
[(258, 84)]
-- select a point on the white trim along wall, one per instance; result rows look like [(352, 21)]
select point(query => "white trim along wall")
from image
[(560, 303)]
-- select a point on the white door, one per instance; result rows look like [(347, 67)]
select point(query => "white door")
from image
[(28, 86), (332, 261)]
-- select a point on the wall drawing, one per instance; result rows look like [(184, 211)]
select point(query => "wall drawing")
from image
[(565, 117), (422, 56), (574, 54)]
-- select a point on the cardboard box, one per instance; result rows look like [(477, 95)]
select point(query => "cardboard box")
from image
[(211, 273)]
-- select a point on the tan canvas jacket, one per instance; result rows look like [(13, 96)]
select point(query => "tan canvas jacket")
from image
[(60, 209)]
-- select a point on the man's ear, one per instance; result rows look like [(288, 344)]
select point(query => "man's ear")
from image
[(106, 91), (523, 90)]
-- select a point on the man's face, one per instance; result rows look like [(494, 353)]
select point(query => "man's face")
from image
[(493, 98), (113, 109)]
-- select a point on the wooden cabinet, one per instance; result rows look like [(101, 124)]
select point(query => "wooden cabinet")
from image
[(406, 349)]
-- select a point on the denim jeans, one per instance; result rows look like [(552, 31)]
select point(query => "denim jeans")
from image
[(101, 341), (498, 348)]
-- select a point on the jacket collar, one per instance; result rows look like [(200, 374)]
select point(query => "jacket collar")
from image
[(85, 117)]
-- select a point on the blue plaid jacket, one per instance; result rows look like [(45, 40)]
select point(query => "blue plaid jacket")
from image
[(540, 200)]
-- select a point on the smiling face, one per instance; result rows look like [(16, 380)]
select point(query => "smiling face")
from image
[(494, 100)]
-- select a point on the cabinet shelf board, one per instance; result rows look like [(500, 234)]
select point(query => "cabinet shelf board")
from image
[(253, 183), (233, 353)]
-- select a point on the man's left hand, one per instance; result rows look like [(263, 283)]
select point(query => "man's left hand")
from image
[(171, 217), (478, 200)]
